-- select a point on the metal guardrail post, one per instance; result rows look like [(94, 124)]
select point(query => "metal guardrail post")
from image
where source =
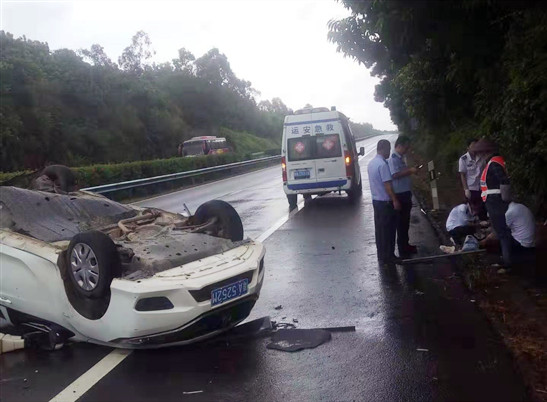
[(433, 181)]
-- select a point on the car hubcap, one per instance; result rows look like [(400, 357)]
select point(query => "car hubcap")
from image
[(85, 267)]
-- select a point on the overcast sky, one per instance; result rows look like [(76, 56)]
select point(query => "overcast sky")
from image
[(280, 46)]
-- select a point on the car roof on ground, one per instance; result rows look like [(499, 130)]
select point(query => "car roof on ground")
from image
[(54, 217)]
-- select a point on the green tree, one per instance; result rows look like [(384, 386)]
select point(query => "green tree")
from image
[(135, 57), (456, 69)]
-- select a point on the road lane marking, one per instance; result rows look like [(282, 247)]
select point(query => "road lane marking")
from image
[(271, 230), (92, 376), (206, 184)]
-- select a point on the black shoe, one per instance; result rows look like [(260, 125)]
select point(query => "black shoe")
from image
[(394, 260)]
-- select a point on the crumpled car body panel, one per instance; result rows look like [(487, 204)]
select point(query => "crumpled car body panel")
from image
[(161, 260)]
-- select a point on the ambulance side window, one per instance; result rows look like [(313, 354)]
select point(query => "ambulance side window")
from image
[(350, 142)]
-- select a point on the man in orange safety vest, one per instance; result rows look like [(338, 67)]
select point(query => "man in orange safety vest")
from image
[(496, 194)]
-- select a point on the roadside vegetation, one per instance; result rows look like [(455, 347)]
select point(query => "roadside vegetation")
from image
[(121, 121), (452, 70), (455, 70), (80, 108)]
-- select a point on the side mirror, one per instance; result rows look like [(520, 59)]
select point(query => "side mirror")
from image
[(362, 151)]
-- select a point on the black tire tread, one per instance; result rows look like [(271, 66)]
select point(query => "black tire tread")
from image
[(227, 215)]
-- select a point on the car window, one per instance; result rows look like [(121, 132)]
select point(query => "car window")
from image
[(328, 146), (193, 148), (318, 147), (301, 148), (350, 140)]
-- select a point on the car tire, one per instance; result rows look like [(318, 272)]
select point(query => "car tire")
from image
[(229, 223), (360, 188), (292, 198), (356, 191), (92, 263)]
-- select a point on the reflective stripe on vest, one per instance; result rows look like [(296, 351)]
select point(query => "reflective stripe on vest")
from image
[(484, 188)]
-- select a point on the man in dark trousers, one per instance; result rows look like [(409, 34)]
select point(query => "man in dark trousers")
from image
[(385, 204), (496, 194), (402, 186)]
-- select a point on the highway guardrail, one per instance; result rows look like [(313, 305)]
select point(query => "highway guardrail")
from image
[(108, 188)]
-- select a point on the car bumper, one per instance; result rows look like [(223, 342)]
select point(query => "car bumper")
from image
[(191, 316), (316, 187), (203, 327)]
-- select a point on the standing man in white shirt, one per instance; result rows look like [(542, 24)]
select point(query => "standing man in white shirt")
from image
[(470, 167), (385, 204)]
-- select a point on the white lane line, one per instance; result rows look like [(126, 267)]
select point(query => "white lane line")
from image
[(207, 184), (92, 376), (271, 230), (368, 152)]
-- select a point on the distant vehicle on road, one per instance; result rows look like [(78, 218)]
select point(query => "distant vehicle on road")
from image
[(319, 155), (78, 266), (205, 145)]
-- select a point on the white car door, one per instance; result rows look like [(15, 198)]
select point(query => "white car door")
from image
[(24, 281)]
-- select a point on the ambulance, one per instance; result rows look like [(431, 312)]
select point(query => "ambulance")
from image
[(319, 155)]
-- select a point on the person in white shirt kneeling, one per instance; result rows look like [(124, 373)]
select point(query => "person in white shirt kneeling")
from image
[(459, 223), (520, 221)]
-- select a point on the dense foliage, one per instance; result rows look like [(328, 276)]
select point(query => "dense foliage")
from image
[(457, 69), (79, 108)]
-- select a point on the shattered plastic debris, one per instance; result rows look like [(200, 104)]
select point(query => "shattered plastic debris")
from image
[(422, 350), (447, 249), (280, 307), (293, 340), (192, 392), (256, 328), (282, 325)]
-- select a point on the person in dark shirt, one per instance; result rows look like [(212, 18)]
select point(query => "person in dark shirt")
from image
[(496, 194)]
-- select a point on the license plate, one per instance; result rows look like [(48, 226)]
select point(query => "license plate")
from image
[(229, 292), (301, 174)]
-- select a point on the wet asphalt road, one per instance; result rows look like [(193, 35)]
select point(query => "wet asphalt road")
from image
[(419, 336)]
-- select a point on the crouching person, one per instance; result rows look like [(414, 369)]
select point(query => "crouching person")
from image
[(459, 224), (520, 221)]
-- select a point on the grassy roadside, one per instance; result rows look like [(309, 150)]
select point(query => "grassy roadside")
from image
[(516, 304)]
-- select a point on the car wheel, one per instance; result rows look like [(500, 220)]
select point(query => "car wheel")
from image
[(228, 224), (360, 188), (355, 192), (92, 263), (292, 198)]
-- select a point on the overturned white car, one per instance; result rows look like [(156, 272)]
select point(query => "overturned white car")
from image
[(82, 267)]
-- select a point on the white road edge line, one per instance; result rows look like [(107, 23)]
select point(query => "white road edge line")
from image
[(92, 376), (271, 230), (207, 184)]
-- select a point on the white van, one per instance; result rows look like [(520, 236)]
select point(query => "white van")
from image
[(319, 155)]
